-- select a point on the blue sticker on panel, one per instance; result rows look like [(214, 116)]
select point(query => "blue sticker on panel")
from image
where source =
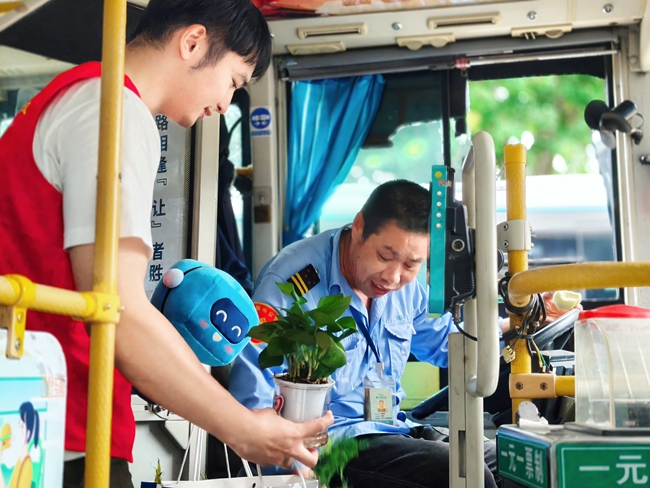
[(261, 122)]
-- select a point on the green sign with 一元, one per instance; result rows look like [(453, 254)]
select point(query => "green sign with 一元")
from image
[(603, 465)]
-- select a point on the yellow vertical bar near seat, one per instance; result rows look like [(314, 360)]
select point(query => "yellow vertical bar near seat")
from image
[(515, 163), (102, 345)]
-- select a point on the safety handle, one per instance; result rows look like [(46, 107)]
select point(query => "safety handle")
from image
[(479, 173)]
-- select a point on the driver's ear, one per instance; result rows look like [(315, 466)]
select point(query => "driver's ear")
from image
[(357, 227)]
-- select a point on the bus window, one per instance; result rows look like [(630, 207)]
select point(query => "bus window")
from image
[(22, 75), (405, 139), (569, 184), (569, 190)]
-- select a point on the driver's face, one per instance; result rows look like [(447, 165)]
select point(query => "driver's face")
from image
[(386, 261)]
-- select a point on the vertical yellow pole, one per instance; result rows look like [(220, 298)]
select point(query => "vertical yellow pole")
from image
[(102, 345), (515, 163)]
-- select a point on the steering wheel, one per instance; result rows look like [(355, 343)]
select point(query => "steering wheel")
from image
[(556, 334)]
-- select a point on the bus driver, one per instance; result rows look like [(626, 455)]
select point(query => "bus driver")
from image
[(376, 261)]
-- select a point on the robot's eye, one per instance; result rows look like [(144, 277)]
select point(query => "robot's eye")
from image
[(228, 320)]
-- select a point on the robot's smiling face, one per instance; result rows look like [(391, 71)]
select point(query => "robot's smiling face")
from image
[(208, 308), (229, 321)]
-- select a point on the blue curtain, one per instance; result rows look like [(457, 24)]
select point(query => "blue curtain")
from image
[(329, 122)]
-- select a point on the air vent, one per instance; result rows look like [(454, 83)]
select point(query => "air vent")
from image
[(332, 30), (317, 48), (464, 21), (550, 31)]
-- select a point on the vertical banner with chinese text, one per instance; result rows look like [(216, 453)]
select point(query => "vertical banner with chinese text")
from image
[(169, 208)]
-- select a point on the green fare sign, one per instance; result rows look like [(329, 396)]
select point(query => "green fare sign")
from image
[(523, 461), (598, 465)]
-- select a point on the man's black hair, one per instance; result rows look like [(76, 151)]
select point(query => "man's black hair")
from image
[(232, 25), (403, 201)]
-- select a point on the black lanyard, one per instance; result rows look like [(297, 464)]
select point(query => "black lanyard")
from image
[(366, 333)]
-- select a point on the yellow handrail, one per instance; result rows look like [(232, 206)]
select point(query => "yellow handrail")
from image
[(102, 344), (514, 157), (582, 276)]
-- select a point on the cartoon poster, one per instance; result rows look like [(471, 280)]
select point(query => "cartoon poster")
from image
[(32, 413)]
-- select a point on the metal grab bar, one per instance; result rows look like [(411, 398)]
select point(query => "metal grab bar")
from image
[(586, 276), (102, 343), (481, 319)]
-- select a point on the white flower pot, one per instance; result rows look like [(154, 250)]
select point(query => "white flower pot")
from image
[(300, 402)]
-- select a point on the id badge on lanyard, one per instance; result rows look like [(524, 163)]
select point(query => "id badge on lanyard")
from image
[(379, 389), (378, 399)]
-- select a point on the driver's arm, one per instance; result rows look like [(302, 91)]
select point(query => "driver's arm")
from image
[(553, 312)]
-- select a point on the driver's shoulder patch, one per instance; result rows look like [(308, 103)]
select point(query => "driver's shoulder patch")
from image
[(305, 279)]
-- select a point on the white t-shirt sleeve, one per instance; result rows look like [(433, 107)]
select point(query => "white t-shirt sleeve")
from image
[(66, 152)]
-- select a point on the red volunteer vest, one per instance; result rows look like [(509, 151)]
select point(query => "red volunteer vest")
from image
[(31, 243)]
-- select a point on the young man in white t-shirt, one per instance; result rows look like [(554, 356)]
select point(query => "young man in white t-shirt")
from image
[(186, 60)]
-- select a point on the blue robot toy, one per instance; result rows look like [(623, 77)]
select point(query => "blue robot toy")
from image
[(209, 308)]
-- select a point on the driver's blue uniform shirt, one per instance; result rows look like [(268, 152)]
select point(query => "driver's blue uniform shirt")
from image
[(398, 325)]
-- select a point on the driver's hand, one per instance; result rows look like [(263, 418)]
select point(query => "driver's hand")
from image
[(553, 312)]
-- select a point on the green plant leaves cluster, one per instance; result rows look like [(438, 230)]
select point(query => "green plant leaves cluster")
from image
[(335, 456), (309, 339)]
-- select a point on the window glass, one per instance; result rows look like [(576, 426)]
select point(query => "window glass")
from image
[(233, 118), (569, 171), (415, 148), (7, 109), (569, 192), (405, 139)]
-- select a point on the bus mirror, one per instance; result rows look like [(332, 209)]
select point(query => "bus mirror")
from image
[(598, 116)]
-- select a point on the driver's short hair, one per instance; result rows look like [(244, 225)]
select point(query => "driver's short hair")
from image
[(403, 201), (232, 26)]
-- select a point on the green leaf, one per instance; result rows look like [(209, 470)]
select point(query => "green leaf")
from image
[(322, 371), (334, 358), (333, 328), (267, 361), (263, 332), (286, 288), (299, 338), (279, 346), (332, 307), (347, 323), (323, 340), (345, 334), (297, 317)]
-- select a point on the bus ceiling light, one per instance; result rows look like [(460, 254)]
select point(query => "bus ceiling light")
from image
[(606, 121)]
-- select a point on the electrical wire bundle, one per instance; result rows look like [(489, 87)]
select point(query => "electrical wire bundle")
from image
[(534, 314)]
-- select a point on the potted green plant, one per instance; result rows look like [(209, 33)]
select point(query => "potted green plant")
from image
[(310, 342)]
